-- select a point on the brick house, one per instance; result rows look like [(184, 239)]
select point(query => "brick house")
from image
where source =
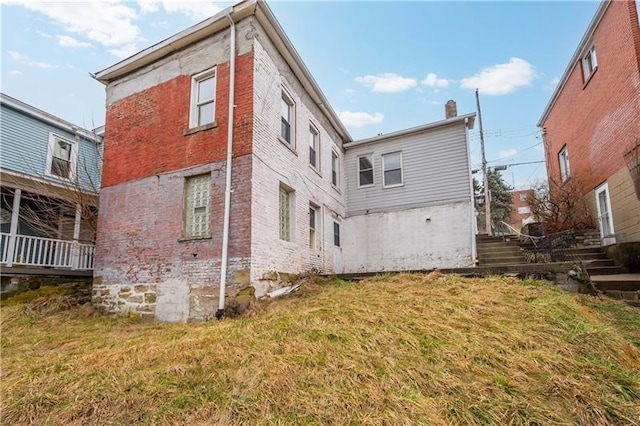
[(521, 214), (591, 125), (180, 234)]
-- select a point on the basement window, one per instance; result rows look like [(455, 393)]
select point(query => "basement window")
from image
[(203, 93), (336, 234)]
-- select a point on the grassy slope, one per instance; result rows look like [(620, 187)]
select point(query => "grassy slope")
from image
[(405, 349)]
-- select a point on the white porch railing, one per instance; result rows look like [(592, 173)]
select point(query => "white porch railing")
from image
[(35, 251)]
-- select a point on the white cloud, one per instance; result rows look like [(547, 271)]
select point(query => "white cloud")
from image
[(67, 41), (108, 23), (387, 82), (507, 153), (501, 79), (15, 73), (554, 81), (432, 80), (360, 119), (125, 51), (195, 10), (24, 60), (426, 101)]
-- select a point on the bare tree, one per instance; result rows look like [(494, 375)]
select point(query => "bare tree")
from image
[(560, 206)]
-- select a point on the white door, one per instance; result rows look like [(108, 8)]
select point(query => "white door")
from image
[(605, 221)]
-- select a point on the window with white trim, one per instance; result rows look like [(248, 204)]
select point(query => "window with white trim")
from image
[(334, 169), (589, 62), (365, 170), (62, 157), (336, 234), (287, 118), (285, 209), (314, 142), (197, 206), (392, 166), (563, 159), (203, 94), (314, 225)]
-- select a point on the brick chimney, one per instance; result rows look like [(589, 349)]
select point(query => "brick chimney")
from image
[(450, 109)]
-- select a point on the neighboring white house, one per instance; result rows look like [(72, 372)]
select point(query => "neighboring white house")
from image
[(410, 199)]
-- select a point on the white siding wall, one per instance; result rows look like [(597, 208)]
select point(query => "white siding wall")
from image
[(406, 240), (275, 163)]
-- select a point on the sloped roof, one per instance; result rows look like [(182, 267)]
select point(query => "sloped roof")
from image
[(217, 23)]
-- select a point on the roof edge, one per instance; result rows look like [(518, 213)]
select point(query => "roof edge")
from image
[(412, 130), (583, 42), (49, 118)]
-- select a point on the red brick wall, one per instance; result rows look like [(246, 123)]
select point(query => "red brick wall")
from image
[(597, 120), (145, 132)]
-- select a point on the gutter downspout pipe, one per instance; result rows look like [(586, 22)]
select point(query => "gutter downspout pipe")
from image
[(227, 193)]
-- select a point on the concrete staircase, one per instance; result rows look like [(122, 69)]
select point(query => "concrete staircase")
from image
[(497, 251)]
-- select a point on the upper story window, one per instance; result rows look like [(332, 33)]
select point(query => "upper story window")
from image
[(197, 206), (334, 169), (62, 157), (287, 113), (203, 93), (392, 165), (314, 142), (563, 159), (589, 63), (365, 170)]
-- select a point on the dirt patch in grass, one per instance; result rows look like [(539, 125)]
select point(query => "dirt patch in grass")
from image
[(401, 349)]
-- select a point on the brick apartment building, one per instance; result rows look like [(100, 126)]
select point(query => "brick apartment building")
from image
[(591, 125), (178, 228), (521, 214)]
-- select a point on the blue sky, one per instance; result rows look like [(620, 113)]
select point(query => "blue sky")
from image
[(384, 66)]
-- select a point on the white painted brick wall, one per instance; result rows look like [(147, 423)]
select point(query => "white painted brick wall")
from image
[(274, 162), (406, 240)]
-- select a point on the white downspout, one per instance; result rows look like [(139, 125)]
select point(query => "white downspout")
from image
[(227, 192), (474, 223)]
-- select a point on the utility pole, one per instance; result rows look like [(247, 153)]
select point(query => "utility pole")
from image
[(487, 201)]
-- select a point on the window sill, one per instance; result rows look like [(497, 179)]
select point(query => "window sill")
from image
[(584, 86), (397, 185), (336, 189), (287, 144), (199, 129), (315, 170), (371, 185), (187, 239)]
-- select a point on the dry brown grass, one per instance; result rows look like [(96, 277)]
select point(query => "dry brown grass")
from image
[(403, 349)]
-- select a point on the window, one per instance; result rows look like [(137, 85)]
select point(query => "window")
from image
[(524, 210), (287, 118), (589, 63), (203, 93), (62, 156), (523, 197), (336, 234), (285, 213), (605, 222), (313, 146), (365, 170), (563, 158), (334, 169), (197, 206), (392, 164), (314, 218)]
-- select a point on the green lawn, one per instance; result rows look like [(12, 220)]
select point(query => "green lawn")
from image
[(401, 349)]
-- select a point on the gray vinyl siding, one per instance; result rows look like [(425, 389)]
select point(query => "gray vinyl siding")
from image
[(25, 141), (435, 166)]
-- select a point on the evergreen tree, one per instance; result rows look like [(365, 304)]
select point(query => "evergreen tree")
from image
[(501, 197)]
